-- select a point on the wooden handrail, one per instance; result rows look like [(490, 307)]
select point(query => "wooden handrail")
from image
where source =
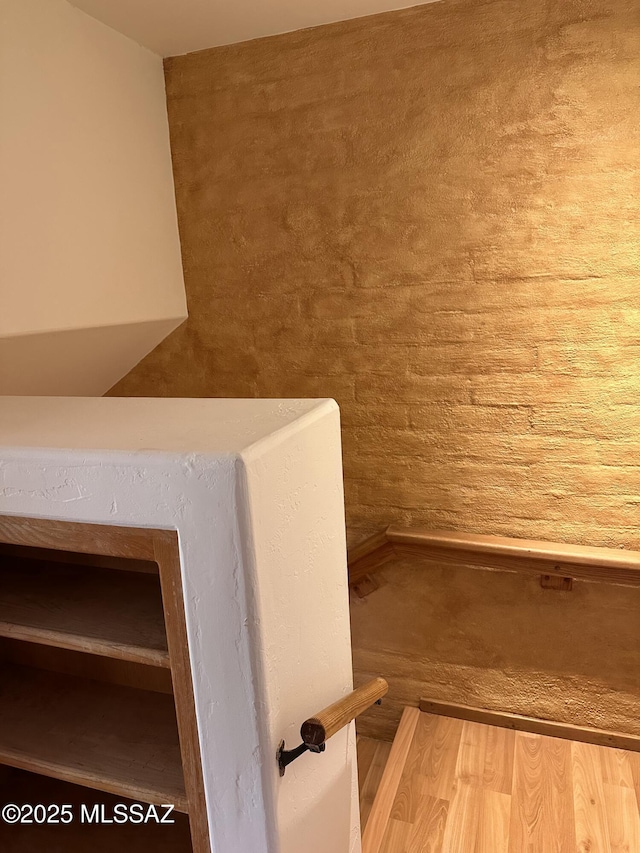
[(318, 729), (496, 552)]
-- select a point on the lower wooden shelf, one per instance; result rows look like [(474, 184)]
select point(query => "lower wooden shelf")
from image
[(79, 836), (115, 739)]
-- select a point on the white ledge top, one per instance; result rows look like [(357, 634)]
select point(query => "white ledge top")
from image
[(149, 424)]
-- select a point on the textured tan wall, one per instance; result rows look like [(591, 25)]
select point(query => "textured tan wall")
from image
[(434, 216)]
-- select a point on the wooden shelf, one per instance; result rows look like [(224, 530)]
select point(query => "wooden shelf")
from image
[(115, 739), (96, 688), (115, 614)]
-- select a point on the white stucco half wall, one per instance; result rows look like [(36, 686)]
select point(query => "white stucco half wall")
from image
[(254, 489)]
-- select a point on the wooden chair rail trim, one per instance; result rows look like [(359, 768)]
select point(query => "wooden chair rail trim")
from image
[(520, 723), (496, 552), (319, 728)]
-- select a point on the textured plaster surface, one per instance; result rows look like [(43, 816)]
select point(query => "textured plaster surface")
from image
[(433, 216), (498, 640), (254, 489)]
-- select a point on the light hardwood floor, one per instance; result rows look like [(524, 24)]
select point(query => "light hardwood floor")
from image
[(451, 786), (372, 759)]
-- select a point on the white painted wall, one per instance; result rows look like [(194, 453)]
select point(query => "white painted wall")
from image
[(254, 488), (88, 226)]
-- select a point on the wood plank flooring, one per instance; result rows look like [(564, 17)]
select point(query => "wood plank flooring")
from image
[(372, 759), (452, 786)]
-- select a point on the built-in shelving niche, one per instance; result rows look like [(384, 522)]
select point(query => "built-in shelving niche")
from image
[(87, 712)]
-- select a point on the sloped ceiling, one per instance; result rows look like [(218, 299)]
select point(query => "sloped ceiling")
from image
[(90, 267), (172, 27)]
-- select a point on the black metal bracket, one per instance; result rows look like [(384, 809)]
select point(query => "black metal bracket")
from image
[(286, 756)]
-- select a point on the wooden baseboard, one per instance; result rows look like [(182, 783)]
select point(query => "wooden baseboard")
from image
[(519, 723)]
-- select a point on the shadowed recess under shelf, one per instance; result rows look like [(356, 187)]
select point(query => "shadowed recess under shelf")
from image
[(81, 836)]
